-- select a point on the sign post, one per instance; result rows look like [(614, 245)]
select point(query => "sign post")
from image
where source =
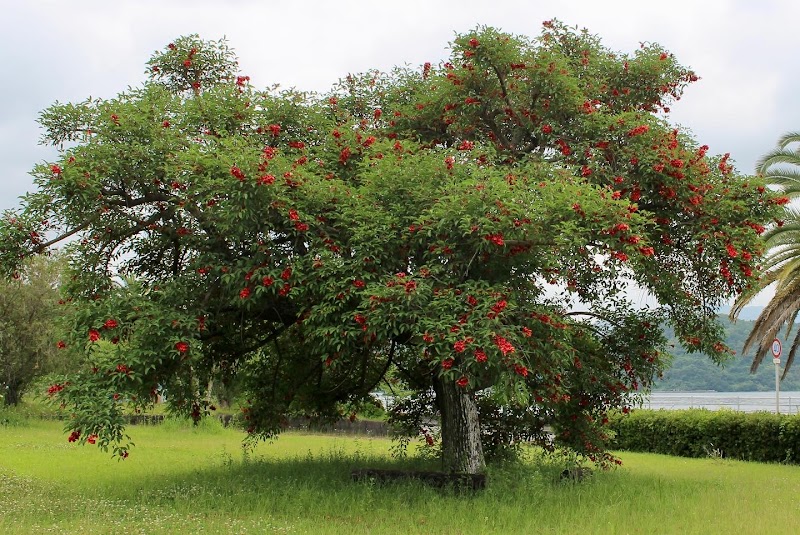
[(776, 359)]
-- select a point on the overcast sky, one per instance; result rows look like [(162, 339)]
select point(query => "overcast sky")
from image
[(54, 50)]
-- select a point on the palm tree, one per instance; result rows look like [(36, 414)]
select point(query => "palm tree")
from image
[(781, 170)]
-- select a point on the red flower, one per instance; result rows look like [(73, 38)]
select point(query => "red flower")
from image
[(646, 251), (547, 129), (462, 381), (75, 435), (297, 144), (480, 356), (527, 332), (181, 347), (496, 239), (286, 274), (267, 281), (293, 215), (91, 439), (245, 293), (54, 389), (56, 170), (474, 43), (521, 370), (302, 227), (275, 129), (447, 363), (344, 155), (269, 152), (427, 338), (377, 114), (460, 346), (165, 124), (471, 301), (266, 180), (187, 63), (61, 344), (94, 335), (110, 324), (732, 252), (498, 307), (504, 345), (466, 145), (358, 283), (411, 286), (236, 172), (638, 130)]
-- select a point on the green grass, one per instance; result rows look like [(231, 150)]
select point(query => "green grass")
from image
[(182, 480)]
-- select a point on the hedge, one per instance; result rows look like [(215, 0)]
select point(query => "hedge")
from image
[(758, 436)]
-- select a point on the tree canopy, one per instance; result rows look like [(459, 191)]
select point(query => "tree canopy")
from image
[(473, 226)]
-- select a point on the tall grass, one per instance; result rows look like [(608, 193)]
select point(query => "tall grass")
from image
[(180, 479)]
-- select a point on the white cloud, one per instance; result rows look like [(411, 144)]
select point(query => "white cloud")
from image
[(54, 50)]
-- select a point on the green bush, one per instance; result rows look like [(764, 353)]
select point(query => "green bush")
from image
[(756, 436)]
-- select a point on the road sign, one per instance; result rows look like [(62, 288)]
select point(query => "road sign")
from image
[(776, 353)]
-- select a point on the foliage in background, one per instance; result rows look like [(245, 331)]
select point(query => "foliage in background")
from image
[(29, 312)]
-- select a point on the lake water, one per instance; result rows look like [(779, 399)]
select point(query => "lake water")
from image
[(738, 401)]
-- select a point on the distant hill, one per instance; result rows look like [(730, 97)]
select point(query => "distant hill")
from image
[(695, 372)]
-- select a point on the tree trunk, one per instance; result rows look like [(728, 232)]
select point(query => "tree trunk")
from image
[(12, 395), (462, 450)]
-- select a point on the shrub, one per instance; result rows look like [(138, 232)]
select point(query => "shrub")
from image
[(757, 436)]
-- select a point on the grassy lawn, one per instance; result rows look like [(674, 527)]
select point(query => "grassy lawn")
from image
[(184, 480)]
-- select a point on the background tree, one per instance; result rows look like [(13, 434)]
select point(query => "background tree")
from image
[(781, 170), (28, 314), (475, 226)]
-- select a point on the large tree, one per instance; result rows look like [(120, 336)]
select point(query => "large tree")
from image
[(476, 226), (29, 311)]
